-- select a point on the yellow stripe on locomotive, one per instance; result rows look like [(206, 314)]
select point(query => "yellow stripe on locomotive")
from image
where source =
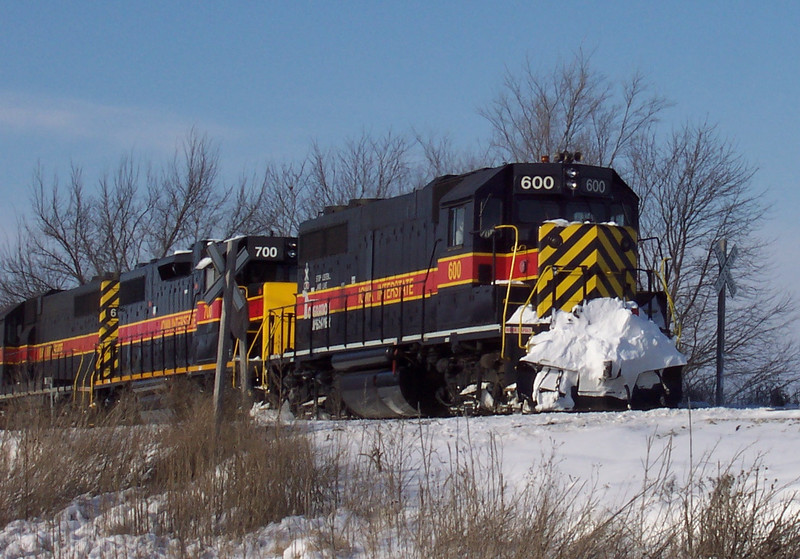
[(108, 333), (583, 261)]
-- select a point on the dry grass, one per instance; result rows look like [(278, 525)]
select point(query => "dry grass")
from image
[(461, 506), (46, 460), (738, 514), (249, 477), (391, 496), (176, 479)]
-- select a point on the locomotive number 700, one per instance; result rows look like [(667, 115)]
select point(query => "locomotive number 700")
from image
[(266, 252)]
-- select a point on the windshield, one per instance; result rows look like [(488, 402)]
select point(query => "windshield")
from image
[(536, 211)]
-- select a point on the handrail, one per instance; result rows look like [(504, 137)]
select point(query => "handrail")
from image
[(91, 378), (255, 339), (527, 302), (283, 323), (233, 360), (75, 384), (670, 302), (514, 251)]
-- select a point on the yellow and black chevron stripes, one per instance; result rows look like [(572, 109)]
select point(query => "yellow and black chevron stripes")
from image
[(584, 261), (107, 356)]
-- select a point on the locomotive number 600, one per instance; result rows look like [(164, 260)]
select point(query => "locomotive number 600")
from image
[(537, 183), (454, 270), (596, 185)]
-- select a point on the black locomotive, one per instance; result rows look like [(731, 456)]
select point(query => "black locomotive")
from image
[(404, 304), (417, 304), (149, 324)]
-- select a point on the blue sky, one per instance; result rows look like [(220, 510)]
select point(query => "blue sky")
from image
[(86, 82)]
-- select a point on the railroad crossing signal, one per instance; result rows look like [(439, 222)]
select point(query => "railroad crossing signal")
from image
[(725, 278), (220, 266), (231, 320)]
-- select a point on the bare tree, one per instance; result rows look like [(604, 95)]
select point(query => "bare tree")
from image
[(134, 215), (21, 268), (696, 189), (73, 235), (244, 214), (366, 167), (183, 200), (120, 214), (62, 233), (290, 198), (441, 157), (573, 108)]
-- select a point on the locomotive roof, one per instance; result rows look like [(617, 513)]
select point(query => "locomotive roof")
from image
[(444, 190), (466, 184)]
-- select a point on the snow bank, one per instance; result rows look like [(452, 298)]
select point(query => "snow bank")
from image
[(610, 452)]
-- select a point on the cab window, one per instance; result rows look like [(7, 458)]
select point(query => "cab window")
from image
[(455, 226), (622, 215)]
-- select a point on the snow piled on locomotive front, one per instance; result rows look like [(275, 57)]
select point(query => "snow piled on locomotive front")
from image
[(602, 349)]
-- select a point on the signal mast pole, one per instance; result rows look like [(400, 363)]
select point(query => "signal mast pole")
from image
[(720, 397)]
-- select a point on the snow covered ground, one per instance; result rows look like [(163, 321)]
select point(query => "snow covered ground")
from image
[(612, 448), (606, 450)]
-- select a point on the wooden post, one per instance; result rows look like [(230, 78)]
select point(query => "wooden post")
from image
[(223, 342)]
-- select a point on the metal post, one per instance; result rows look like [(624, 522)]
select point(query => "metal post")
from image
[(720, 346), (722, 255)]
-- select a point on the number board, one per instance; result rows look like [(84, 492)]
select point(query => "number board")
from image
[(562, 178), (598, 183), (538, 178), (266, 248), (537, 184)]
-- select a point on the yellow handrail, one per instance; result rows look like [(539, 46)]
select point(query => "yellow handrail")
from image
[(277, 326), (77, 375), (255, 339), (91, 379), (527, 301), (233, 357), (670, 302), (514, 250)]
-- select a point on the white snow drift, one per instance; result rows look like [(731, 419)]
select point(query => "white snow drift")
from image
[(604, 348)]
